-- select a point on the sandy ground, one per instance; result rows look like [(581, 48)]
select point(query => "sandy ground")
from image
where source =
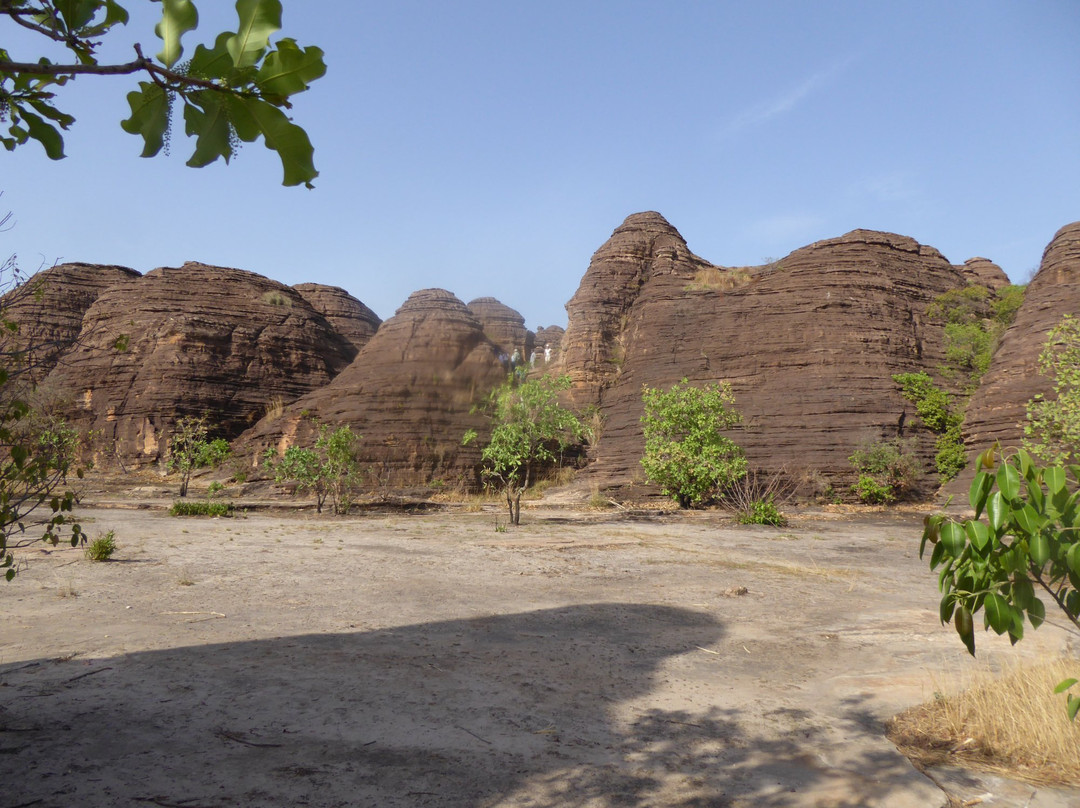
[(581, 659)]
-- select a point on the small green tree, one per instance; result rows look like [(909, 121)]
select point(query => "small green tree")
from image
[(329, 470), (530, 433), (1052, 431), (1025, 534), (686, 452), (190, 448)]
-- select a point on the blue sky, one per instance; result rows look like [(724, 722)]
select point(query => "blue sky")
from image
[(490, 147)]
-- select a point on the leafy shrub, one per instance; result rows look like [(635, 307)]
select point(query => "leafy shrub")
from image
[(185, 508), (102, 547), (762, 512), (214, 488), (686, 452), (940, 415), (1052, 431), (975, 318), (887, 471), (190, 448)]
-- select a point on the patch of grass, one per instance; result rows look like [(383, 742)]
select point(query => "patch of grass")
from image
[(102, 547), (762, 512), (599, 501), (1012, 724), (184, 508), (719, 280), (276, 299)]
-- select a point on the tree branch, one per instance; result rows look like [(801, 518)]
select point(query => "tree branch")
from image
[(1059, 600)]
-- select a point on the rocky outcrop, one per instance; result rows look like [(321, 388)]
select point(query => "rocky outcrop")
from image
[(984, 272), (808, 343), (998, 410), (503, 326), (550, 338), (48, 310), (409, 393), (348, 316), (192, 340)]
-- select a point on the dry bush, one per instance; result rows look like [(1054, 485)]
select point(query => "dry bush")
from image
[(274, 407), (758, 486), (719, 280), (1012, 724)]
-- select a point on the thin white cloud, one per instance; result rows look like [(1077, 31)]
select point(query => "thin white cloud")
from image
[(773, 108)]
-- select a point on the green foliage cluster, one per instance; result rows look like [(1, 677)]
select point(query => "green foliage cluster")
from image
[(942, 415), (975, 318), (887, 471), (328, 470), (762, 512), (102, 547), (1052, 431), (1025, 534), (686, 452), (530, 433), (37, 452), (233, 90), (189, 508), (191, 448)]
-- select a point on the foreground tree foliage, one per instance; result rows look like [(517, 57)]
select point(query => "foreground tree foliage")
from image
[(686, 452), (1024, 540), (329, 470), (530, 433), (37, 452), (232, 90)]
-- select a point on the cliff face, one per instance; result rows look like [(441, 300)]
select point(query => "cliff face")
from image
[(809, 343), (504, 326), (49, 309), (191, 340), (409, 393), (998, 410), (347, 315)]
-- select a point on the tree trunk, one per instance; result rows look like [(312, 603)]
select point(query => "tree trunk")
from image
[(516, 510)]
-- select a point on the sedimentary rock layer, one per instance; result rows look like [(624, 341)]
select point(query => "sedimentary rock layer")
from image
[(348, 316)]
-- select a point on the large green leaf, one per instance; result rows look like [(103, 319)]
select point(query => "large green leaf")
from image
[(1039, 548), (212, 63), (1008, 480), (996, 511), (1072, 558), (258, 20), (44, 133), (965, 628), (979, 491), (1036, 612), (953, 538), (288, 70), (997, 612), (149, 117), (206, 117), (177, 18), (252, 117), (978, 533)]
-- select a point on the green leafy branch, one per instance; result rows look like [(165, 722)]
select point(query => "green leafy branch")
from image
[(233, 91)]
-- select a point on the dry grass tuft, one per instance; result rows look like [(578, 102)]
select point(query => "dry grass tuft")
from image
[(1011, 724), (719, 280), (274, 407)]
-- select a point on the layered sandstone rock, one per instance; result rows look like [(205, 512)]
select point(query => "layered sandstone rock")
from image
[(984, 272), (48, 310), (503, 326), (192, 340), (997, 411), (410, 393), (808, 343), (550, 338), (348, 316)]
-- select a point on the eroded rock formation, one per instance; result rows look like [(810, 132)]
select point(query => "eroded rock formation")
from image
[(410, 393), (808, 343), (348, 316), (985, 272), (503, 326), (48, 310), (191, 340), (997, 411)]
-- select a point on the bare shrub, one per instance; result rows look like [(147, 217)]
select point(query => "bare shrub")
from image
[(753, 494)]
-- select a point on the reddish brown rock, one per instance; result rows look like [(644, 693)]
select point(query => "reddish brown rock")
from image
[(349, 317), (409, 393), (192, 340), (49, 307), (549, 338), (808, 343), (998, 411), (984, 272), (503, 326)]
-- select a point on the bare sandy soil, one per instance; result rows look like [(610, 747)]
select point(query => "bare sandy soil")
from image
[(428, 660)]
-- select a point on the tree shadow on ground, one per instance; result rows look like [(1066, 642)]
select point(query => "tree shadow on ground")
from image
[(537, 709)]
